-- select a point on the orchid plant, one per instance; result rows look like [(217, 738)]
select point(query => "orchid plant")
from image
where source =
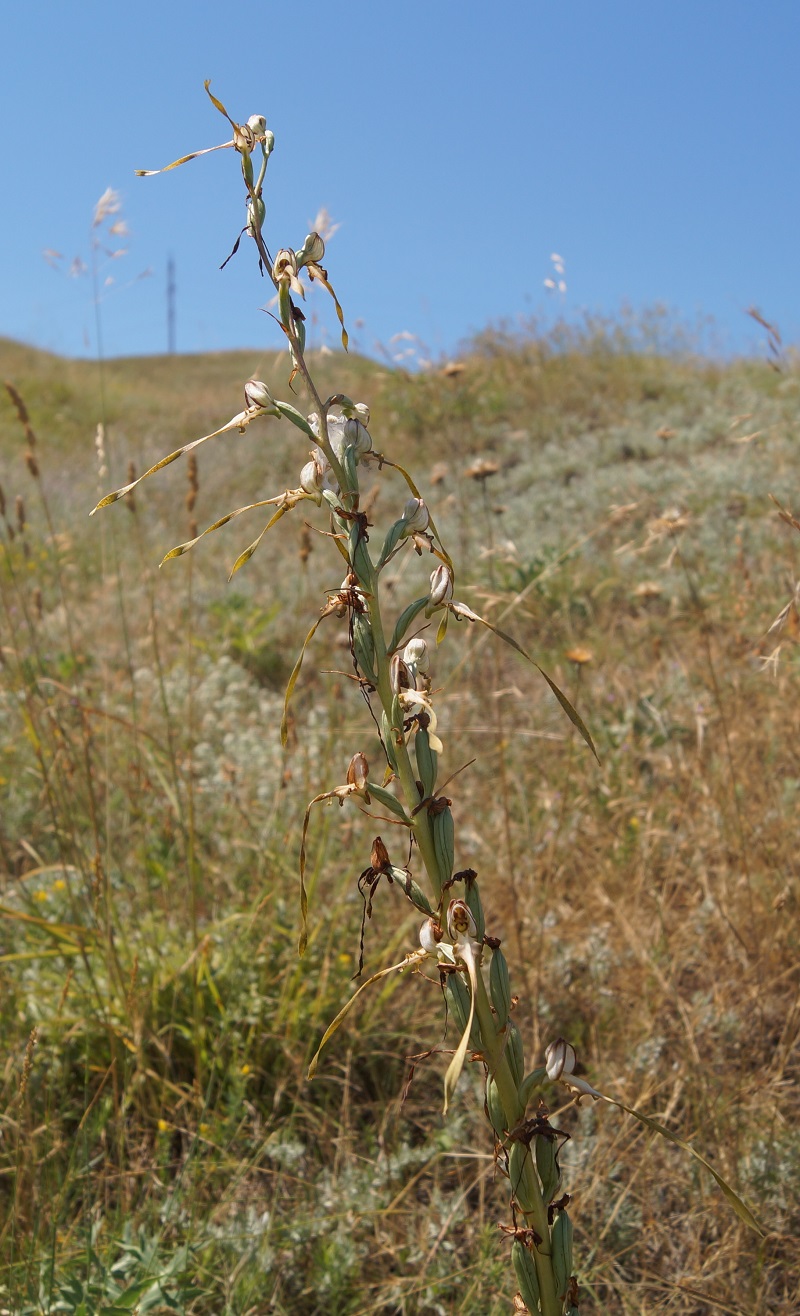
[(393, 668)]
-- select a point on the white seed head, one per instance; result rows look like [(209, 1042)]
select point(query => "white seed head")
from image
[(257, 124), (400, 677), (357, 436), (311, 479), (284, 269)]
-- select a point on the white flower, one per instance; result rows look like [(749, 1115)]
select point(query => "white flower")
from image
[(560, 1060), (441, 587), (416, 516), (418, 701), (415, 655)]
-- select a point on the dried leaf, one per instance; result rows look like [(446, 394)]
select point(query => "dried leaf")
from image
[(180, 549), (249, 551), (742, 1210), (457, 1063), (413, 957), (240, 422), (193, 155), (461, 610), (293, 682)]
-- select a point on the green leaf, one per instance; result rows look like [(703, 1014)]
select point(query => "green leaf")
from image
[(572, 713), (389, 802), (291, 413), (404, 621)]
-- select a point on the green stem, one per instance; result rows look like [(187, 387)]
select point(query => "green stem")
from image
[(408, 781), (528, 1191)]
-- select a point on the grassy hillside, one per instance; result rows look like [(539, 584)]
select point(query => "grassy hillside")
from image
[(610, 508)]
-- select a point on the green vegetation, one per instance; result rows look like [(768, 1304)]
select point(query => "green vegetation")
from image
[(159, 1142)]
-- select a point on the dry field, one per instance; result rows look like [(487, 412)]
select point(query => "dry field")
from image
[(159, 1142)]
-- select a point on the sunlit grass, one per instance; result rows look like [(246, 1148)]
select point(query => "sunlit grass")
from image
[(150, 827)]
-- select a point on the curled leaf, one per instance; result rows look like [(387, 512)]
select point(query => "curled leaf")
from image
[(742, 1210), (316, 271), (238, 422), (250, 550), (461, 610), (218, 104), (180, 549), (293, 682), (193, 155), (466, 954), (326, 795), (413, 957)]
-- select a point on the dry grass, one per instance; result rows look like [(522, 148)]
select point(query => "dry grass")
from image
[(149, 833)]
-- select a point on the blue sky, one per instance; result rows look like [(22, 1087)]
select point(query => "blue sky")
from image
[(654, 146)]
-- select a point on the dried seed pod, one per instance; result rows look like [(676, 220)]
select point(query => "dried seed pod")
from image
[(19, 504), (460, 923), (358, 776)]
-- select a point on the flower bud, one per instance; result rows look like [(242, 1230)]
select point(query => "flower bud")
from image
[(358, 773), (256, 394), (311, 479), (441, 586), (256, 214), (430, 934), (416, 516), (313, 249), (357, 436), (257, 124), (415, 655), (244, 138), (460, 922), (400, 677), (559, 1059), (284, 269)]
